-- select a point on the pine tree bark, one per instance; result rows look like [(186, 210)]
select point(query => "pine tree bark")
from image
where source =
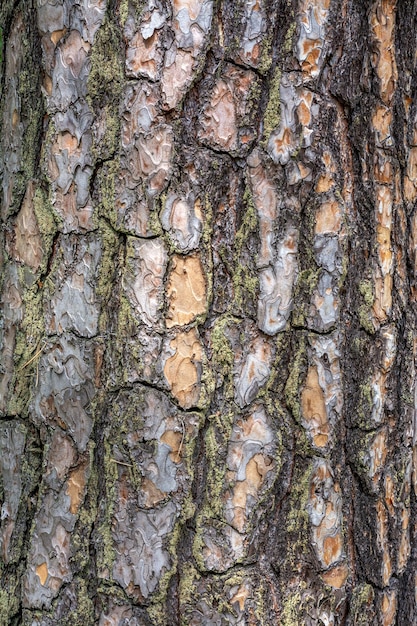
[(208, 348)]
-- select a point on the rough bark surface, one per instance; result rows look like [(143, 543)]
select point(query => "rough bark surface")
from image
[(208, 346)]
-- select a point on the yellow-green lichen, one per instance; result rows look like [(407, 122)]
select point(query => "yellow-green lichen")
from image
[(244, 281), (156, 610), (272, 116), (265, 61), (297, 517), (223, 356), (208, 385), (155, 226), (187, 589), (365, 402), (106, 75), (110, 248), (306, 282), (28, 349), (294, 380), (361, 605), (105, 84), (48, 223), (289, 37), (215, 441), (9, 605), (107, 185), (366, 290), (83, 613), (365, 308), (290, 615), (31, 115), (106, 552)]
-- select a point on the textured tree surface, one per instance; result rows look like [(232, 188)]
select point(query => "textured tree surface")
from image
[(208, 349)]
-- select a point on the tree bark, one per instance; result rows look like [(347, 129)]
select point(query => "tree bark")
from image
[(208, 348)]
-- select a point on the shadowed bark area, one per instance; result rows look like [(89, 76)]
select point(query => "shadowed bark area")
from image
[(208, 338)]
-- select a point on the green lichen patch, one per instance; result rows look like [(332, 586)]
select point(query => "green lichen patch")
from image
[(297, 516), (105, 84), (245, 280), (365, 404), (106, 75), (48, 224), (83, 613), (106, 184), (306, 283), (362, 605), (110, 242), (104, 539), (296, 376), (289, 37), (223, 356), (272, 116), (265, 61), (291, 610), (28, 349), (9, 601), (188, 593), (365, 308), (215, 442), (297, 543), (31, 117)]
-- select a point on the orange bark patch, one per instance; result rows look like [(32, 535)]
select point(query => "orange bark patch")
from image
[(98, 364), (383, 26), (186, 290), (404, 550), (15, 118), (382, 534), (152, 495), (324, 183), (174, 440), (57, 35), (176, 76), (336, 577), (332, 548), (256, 470), (314, 409), (75, 488), (389, 494), (378, 454), (219, 121), (328, 218), (389, 608), (47, 84), (193, 7), (410, 181), (383, 297), (141, 55), (383, 238), (42, 572), (383, 171), (304, 114), (181, 369), (240, 597), (381, 121), (28, 243), (310, 64)]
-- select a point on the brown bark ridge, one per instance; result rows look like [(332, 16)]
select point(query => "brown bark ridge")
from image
[(208, 338)]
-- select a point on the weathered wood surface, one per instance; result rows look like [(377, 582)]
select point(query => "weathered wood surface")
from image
[(208, 342)]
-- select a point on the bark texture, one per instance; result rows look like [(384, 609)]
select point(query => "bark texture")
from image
[(208, 346)]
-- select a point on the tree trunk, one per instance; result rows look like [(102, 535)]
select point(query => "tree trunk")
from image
[(209, 311)]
